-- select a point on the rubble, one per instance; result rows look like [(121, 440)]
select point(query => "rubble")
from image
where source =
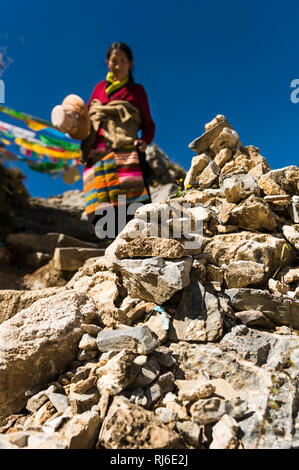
[(182, 334)]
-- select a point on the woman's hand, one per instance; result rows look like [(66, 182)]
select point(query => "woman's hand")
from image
[(142, 144)]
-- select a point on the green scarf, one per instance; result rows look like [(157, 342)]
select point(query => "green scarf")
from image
[(114, 84)]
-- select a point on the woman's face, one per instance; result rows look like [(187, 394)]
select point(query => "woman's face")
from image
[(119, 64)]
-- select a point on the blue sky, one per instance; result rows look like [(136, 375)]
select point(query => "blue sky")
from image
[(195, 59)]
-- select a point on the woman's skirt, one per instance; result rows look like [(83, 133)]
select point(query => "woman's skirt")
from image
[(112, 183)]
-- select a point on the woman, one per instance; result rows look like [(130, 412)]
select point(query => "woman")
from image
[(113, 154)]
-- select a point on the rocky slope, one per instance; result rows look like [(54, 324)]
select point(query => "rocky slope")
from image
[(32, 227), (184, 334)]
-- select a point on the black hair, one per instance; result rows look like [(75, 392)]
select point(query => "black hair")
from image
[(123, 47)]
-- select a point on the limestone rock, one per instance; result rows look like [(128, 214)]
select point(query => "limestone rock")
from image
[(225, 434), (192, 390), (103, 288), (70, 259), (202, 143), (60, 401), (287, 178), (261, 248), (294, 208), (118, 373), (291, 232), (198, 164), (214, 122), (289, 275), (263, 348), (223, 156), (12, 301), (254, 214), (154, 279), (206, 411), (228, 138), (138, 339), (199, 315), (208, 176), (37, 400), (190, 432), (277, 287), (278, 310), (238, 187), (254, 318), (38, 343), (88, 342), (148, 373), (269, 186), (156, 325), (244, 273), (81, 431), (140, 429), (149, 247)]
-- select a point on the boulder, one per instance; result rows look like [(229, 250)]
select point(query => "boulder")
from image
[(12, 301), (154, 279), (38, 343)]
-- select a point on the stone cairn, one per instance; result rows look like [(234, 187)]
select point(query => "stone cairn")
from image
[(161, 345)]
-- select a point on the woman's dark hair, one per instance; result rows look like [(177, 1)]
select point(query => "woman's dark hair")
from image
[(122, 46)]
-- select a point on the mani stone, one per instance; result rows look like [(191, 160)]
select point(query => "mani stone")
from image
[(138, 339)]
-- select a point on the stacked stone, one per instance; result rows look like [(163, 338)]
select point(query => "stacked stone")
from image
[(163, 344)]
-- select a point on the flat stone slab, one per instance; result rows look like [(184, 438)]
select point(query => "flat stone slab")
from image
[(202, 143), (138, 339), (72, 258)]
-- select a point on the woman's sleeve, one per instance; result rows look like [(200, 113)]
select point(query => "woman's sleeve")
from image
[(147, 126)]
